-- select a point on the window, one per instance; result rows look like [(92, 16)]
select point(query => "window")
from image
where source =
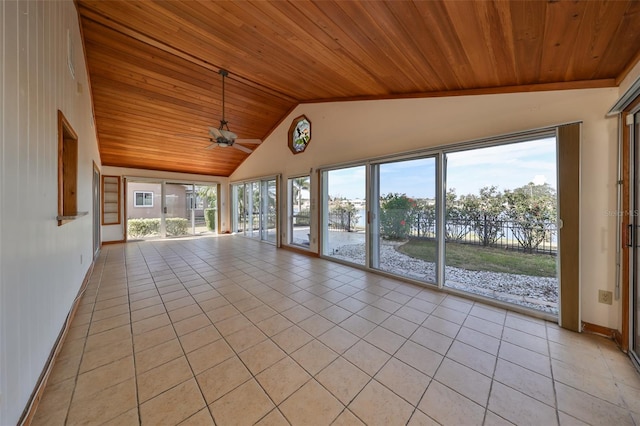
[(142, 199)]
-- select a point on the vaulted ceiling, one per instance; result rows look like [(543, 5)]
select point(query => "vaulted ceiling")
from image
[(153, 65)]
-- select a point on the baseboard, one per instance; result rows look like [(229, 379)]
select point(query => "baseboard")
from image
[(607, 332), (32, 405), (104, 243), (299, 250)]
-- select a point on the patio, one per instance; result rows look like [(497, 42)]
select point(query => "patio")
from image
[(534, 292)]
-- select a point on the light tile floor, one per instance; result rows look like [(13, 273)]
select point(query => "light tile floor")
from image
[(231, 331)]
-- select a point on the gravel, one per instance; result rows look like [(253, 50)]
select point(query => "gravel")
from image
[(540, 293)]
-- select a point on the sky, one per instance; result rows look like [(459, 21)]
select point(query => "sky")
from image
[(506, 166)]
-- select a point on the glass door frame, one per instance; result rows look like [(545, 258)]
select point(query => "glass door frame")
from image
[(163, 206), (373, 210), (633, 235), (249, 185), (323, 229), (292, 217), (96, 205), (440, 154)]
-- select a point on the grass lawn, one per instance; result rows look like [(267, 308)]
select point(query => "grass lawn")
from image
[(478, 258)]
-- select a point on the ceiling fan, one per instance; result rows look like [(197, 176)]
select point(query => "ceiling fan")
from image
[(222, 137)]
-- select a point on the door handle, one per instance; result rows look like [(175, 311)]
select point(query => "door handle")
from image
[(630, 236), (165, 210)]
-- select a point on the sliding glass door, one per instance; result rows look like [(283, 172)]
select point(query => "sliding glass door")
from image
[(634, 242), (500, 223), (344, 214), (404, 232), (178, 210), (478, 218), (254, 209), (299, 207), (169, 209)]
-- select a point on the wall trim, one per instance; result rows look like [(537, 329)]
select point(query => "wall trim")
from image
[(104, 243), (499, 90), (299, 250), (626, 99), (32, 405), (600, 330)]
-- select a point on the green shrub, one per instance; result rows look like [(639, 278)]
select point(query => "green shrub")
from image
[(210, 219), (138, 228), (395, 216), (177, 226)]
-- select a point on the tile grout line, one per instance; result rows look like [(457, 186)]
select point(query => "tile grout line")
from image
[(553, 380), (133, 347), (179, 257), (86, 337), (183, 354), (486, 408), (235, 353)]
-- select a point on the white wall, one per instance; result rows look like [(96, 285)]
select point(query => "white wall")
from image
[(117, 232), (40, 262), (348, 131)]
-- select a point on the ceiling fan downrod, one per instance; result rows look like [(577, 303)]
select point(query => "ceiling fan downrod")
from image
[(224, 73)]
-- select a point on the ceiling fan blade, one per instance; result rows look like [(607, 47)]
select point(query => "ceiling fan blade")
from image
[(215, 133), (242, 148), (249, 141), (228, 134), (213, 145)]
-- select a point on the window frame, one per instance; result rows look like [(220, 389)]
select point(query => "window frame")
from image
[(440, 153), (135, 199), (67, 172)]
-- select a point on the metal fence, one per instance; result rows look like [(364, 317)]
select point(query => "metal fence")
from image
[(343, 221), (506, 234)]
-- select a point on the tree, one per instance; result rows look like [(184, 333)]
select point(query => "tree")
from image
[(298, 185), (208, 195), (531, 208), (395, 215), (457, 221), (423, 217), (485, 212)]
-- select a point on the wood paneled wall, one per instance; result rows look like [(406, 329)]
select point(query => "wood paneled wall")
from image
[(42, 266)]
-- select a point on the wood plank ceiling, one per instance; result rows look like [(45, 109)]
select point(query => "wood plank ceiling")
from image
[(153, 65)]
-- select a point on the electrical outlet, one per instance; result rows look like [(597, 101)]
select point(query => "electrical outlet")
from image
[(605, 297)]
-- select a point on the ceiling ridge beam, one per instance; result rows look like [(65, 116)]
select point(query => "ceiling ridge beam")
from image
[(105, 21)]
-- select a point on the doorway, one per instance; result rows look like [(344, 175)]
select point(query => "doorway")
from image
[(633, 236), (254, 209), (96, 210), (477, 218), (161, 209)]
